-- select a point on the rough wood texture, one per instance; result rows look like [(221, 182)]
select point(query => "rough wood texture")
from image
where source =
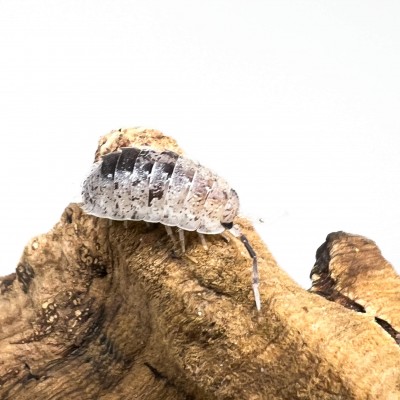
[(100, 310), (351, 271)]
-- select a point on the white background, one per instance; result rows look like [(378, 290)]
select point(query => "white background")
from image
[(296, 103)]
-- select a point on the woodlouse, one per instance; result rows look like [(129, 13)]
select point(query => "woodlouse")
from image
[(162, 186)]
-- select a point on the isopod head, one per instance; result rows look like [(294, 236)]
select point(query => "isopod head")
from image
[(231, 208)]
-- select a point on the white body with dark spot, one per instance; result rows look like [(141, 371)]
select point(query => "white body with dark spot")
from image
[(162, 186), (144, 184)]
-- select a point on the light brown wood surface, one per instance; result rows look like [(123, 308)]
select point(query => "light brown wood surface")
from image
[(100, 310)]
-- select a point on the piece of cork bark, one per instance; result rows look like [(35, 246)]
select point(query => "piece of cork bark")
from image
[(100, 310)]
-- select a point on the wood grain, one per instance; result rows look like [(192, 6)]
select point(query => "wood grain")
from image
[(100, 310)]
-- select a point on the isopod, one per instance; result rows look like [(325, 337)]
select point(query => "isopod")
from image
[(164, 187)]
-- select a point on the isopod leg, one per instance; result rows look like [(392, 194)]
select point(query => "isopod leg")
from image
[(203, 241), (171, 235), (255, 276), (182, 239)]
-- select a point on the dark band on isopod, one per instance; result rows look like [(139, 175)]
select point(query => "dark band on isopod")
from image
[(109, 164), (127, 159), (164, 168)]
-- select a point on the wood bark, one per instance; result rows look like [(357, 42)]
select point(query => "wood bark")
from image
[(100, 310)]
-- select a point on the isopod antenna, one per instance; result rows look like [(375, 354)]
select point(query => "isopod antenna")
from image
[(255, 277)]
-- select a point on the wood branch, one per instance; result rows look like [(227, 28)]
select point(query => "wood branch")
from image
[(351, 271), (100, 310)]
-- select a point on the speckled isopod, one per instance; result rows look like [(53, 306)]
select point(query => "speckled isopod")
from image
[(143, 184)]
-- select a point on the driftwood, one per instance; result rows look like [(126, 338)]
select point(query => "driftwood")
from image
[(100, 310)]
